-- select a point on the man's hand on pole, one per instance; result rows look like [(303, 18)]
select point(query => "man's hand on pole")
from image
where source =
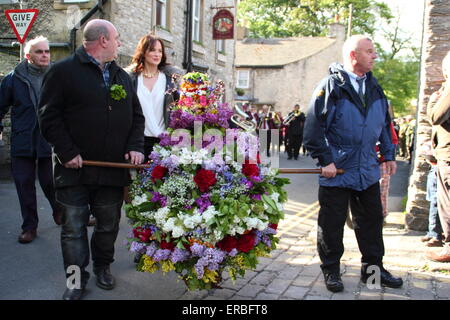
[(391, 167), (329, 171), (75, 163), (134, 157)]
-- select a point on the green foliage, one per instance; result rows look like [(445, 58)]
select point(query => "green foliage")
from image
[(290, 18), (398, 78)]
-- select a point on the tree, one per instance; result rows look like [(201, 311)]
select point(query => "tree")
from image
[(290, 18), (398, 77), (398, 68)]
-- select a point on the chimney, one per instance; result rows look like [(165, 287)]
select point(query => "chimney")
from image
[(337, 31)]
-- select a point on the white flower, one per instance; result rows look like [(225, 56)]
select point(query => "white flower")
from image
[(262, 225), (240, 230), (186, 156), (218, 235), (236, 219), (148, 214), (274, 196), (169, 225), (164, 153), (209, 213), (177, 231), (139, 200), (199, 156), (251, 222), (161, 215)]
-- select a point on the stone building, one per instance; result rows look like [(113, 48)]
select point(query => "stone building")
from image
[(436, 44), (59, 20), (283, 72)]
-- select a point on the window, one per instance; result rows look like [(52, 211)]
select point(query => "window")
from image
[(196, 20), (220, 46), (161, 13), (243, 79)]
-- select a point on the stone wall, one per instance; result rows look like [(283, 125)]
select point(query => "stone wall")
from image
[(435, 46)]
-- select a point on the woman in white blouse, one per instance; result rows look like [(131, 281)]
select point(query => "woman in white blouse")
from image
[(152, 80)]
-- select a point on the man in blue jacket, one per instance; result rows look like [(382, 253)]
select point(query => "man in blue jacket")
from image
[(347, 116), (20, 91)]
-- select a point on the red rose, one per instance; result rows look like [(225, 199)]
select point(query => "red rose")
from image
[(205, 179), (167, 245), (273, 226), (250, 170), (246, 242), (227, 244), (158, 173), (142, 234)]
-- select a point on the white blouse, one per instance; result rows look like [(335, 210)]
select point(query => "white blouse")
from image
[(152, 103)]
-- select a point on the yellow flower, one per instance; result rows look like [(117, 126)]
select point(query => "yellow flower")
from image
[(167, 266), (261, 253), (210, 276), (149, 265), (239, 261)]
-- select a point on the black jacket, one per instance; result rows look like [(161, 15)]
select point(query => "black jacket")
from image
[(78, 116), (17, 93)]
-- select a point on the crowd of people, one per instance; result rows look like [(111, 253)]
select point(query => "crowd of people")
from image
[(290, 128), (88, 107)]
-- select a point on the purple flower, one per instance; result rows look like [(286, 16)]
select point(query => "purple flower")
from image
[(155, 156), (137, 247), (197, 250), (203, 202), (151, 249), (256, 197), (161, 254), (164, 139), (212, 258), (233, 252), (179, 255)]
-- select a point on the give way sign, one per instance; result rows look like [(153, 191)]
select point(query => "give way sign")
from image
[(21, 21)]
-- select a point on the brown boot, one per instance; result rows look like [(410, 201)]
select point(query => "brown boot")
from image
[(27, 236), (443, 256), (433, 242)]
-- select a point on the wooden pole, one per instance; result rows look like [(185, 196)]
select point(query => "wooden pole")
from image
[(143, 166), (350, 18)]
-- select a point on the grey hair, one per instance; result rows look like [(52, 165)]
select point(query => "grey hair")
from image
[(94, 31), (33, 42), (351, 44)]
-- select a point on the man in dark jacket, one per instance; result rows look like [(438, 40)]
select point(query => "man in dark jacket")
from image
[(89, 110), (438, 112), (348, 115), (20, 91), (295, 132)]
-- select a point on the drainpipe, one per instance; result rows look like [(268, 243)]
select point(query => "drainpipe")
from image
[(187, 63), (73, 32)]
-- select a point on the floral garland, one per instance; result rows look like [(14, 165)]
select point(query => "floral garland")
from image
[(196, 211)]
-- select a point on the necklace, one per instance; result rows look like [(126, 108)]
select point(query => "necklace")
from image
[(150, 75)]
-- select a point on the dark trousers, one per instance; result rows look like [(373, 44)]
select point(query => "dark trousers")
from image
[(78, 202), (295, 142), (24, 174), (443, 196), (367, 220)]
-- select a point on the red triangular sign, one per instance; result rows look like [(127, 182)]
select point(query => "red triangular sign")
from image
[(21, 21)]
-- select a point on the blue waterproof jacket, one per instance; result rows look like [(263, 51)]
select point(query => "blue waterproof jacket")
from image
[(17, 94), (342, 129)]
